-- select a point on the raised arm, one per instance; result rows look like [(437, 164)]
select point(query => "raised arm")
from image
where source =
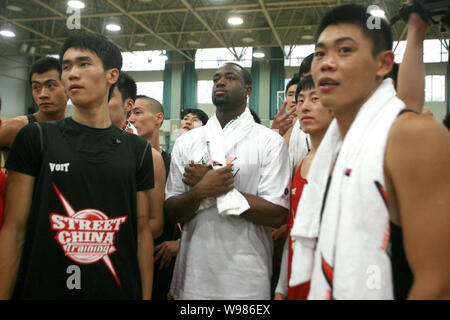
[(417, 164), (12, 235), (411, 74)]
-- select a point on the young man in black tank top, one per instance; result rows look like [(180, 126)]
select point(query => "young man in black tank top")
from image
[(349, 65), (78, 194), (48, 94)]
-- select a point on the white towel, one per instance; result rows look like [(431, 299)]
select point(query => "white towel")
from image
[(350, 259), (221, 142)]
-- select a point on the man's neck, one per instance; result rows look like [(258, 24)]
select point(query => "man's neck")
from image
[(42, 117), (346, 117), (225, 114), (95, 115), (316, 138), (154, 141)]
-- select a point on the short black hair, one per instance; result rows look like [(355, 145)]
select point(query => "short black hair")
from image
[(43, 65), (203, 117), (305, 66), (295, 79), (127, 86), (393, 74), (107, 51), (245, 74), (357, 15), (307, 83)]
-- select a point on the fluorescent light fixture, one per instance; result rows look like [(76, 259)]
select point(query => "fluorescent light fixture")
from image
[(7, 33), (76, 4), (248, 39), (192, 42), (377, 13), (307, 37), (113, 27), (235, 21), (14, 8), (258, 54), (140, 44)]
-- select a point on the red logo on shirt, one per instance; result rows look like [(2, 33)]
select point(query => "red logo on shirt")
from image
[(86, 236)]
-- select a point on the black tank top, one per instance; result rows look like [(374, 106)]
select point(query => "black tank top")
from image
[(83, 214), (401, 271), (31, 118)]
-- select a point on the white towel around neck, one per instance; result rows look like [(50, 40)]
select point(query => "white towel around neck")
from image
[(221, 142), (355, 220)]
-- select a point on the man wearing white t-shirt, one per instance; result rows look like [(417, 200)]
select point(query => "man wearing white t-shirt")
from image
[(227, 255)]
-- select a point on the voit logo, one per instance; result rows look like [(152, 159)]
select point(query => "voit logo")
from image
[(86, 236)]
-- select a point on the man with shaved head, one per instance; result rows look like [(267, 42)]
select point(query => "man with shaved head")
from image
[(147, 116)]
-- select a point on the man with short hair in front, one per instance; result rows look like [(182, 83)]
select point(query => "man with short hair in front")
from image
[(229, 200), (78, 194), (377, 194)]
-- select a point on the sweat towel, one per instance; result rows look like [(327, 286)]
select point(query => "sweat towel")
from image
[(221, 142)]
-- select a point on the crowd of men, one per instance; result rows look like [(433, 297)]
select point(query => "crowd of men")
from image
[(344, 197)]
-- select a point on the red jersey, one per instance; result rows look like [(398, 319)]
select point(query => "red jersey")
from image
[(299, 292)]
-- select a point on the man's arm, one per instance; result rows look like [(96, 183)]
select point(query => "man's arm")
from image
[(264, 212), (156, 195), (417, 164), (145, 244), (214, 183), (12, 235), (261, 211), (9, 130), (411, 73)]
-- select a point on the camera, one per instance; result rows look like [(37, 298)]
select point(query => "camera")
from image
[(432, 11)]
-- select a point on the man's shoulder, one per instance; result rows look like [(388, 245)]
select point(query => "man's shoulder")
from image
[(265, 134), (413, 133), (16, 123), (191, 137)]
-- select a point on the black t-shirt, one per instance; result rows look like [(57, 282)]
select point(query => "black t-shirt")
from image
[(83, 216)]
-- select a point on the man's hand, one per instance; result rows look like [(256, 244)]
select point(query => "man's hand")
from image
[(215, 183), (282, 122), (166, 251), (193, 173), (416, 22), (279, 233), (280, 296)]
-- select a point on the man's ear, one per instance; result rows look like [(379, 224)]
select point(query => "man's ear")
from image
[(160, 117), (129, 105), (248, 90), (385, 63), (112, 75)]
